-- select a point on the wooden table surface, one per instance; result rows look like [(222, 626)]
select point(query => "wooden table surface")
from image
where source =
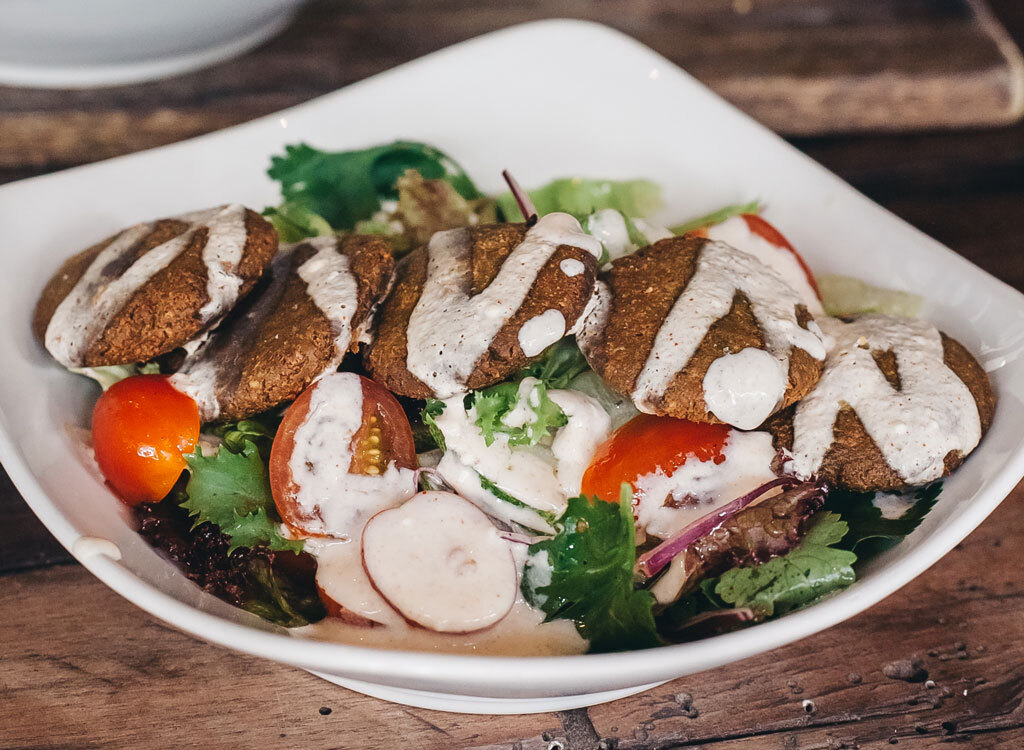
[(83, 668)]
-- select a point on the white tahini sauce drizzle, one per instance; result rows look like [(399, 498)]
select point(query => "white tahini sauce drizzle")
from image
[(914, 427), (339, 501), (736, 233), (698, 487), (97, 297), (743, 389), (333, 288), (449, 330), (341, 576), (540, 332), (721, 272), (572, 267), (609, 226), (542, 478)]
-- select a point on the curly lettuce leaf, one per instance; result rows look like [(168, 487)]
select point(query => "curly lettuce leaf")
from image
[(231, 491), (870, 531), (812, 569), (433, 408), (581, 197), (717, 217), (523, 411), (588, 576), (345, 187)]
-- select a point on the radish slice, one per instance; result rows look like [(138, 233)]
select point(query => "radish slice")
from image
[(345, 589), (441, 563)]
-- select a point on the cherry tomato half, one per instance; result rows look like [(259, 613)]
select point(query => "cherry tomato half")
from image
[(141, 427), (766, 231), (646, 444), (383, 436)]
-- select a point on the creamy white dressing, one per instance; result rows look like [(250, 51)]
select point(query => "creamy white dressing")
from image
[(698, 487), (914, 427), (653, 232), (721, 272), (342, 578), (542, 478), (339, 503), (745, 388), (609, 226), (441, 563), (449, 330), (572, 267), (736, 233), (87, 310), (527, 400), (541, 331), (893, 506), (334, 290)]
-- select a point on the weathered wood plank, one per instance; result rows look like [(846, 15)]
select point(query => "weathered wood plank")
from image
[(67, 683), (800, 66)]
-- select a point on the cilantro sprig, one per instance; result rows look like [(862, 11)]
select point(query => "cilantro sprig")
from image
[(231, 491)]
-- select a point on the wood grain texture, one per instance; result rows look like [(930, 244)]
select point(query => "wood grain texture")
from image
[(67, 682), (799, 66)]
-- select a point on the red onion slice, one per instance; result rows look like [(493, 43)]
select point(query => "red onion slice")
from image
[(651, 563)]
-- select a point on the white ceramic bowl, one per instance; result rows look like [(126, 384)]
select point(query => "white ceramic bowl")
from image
[(78, 43), (545, 99)]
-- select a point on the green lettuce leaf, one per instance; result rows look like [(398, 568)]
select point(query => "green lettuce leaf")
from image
[(588, 576), (107, 375), (717, 217), (498, 407), (558, 365), (581, 197), (294, 222), (231, 491), (812, 569), (433, 408), (258, 430), (870, 532), (845, 295), (345, 187)]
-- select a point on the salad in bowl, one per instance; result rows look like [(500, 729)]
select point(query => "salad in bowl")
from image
[(394, 411)]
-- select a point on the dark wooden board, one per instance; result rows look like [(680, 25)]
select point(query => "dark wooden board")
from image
[(84, 668), (799, 66)]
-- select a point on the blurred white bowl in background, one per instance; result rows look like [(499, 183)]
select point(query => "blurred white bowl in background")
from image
[(79, 44)]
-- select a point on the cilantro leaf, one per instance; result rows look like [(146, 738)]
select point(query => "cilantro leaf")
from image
[(345, 187), (717, 217), (814, 568), (591, 576), (581, 197), (870, 532), (523, 411), (558, 365), (231, 491)]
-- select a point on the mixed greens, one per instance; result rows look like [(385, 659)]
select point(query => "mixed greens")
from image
[(763, 560)]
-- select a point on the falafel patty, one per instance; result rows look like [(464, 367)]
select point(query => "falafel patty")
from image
[(899, 404), (152, 287), (478, 303), (695, 329), (315, 303)]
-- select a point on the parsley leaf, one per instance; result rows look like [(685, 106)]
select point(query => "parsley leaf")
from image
[(870, 532), (433, 409), (523, 411), (814, 568), (591, 576), (345, 187), (231, 491)]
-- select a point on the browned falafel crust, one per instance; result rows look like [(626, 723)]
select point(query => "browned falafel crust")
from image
[(385, 359), (643, 288), (163, 314), (278, 341), (854, 461)]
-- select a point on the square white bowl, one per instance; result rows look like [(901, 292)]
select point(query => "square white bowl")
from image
[(545, 99)]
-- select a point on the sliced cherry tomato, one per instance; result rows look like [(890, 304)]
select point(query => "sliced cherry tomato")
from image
[(384, 436), (766, 231), (141, 427), (646, 444)]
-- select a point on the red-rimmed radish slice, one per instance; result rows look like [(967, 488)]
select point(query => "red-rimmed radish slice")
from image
[(346, 591), (441, 563), (752, 234), (343, 452)]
